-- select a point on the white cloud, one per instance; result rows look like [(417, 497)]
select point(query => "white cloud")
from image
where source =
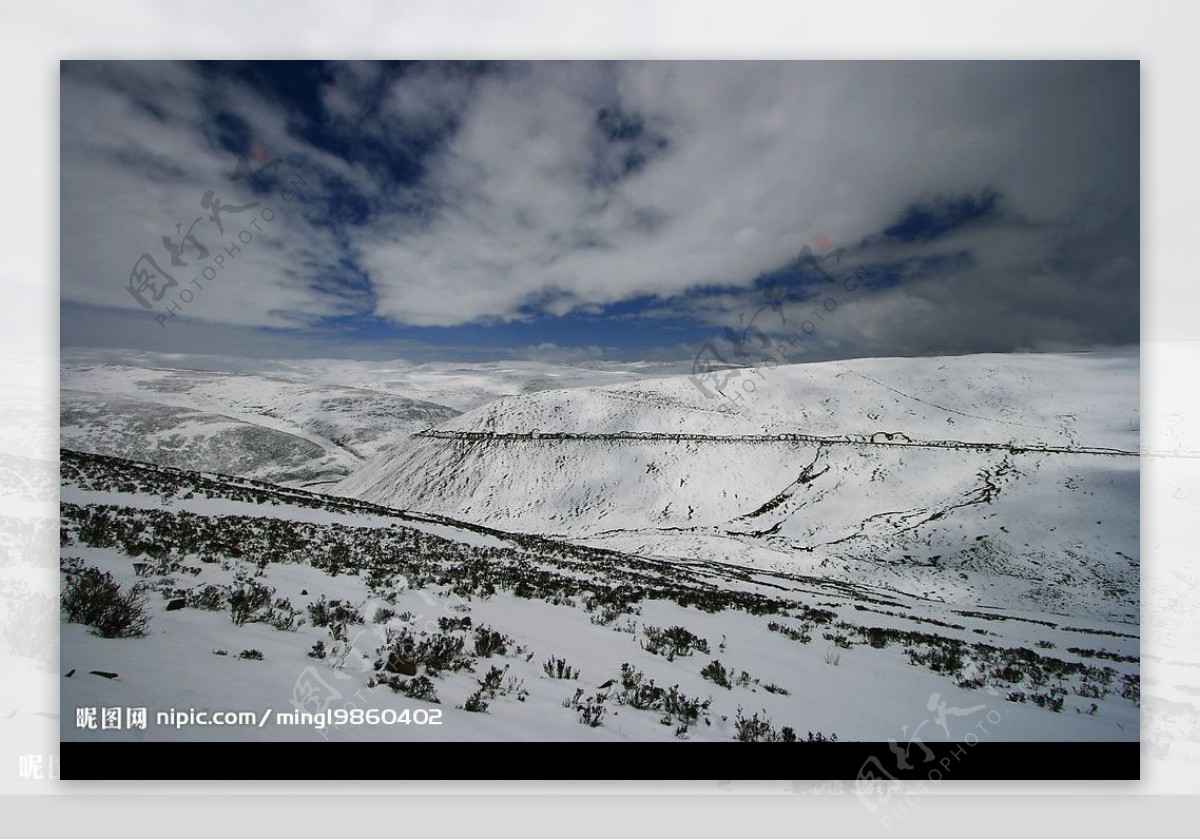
[(130, 174), (701, 173), (759, 158)]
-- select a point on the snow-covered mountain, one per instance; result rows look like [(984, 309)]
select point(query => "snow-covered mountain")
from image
[(264, 427), (622, 557), (989, 479), (270, 602), (300, 423)]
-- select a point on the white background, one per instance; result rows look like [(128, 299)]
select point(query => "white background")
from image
[(36, 35)]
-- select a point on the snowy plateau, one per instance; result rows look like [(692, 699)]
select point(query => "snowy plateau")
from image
[(862, 550)]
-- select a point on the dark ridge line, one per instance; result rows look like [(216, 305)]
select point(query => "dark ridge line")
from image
[(895, 439)]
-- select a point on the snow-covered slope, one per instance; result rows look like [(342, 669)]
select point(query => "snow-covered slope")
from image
[(1035, 399), (258, 426), (294, 422), (975, 479), (265, 600)]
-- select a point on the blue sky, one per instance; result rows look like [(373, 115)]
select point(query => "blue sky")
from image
[(597, 210)]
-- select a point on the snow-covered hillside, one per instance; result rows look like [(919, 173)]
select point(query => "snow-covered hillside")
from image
[(1086, 399), (618, 558), (263, 600), (299, 423), (266, 427), (992, 479)]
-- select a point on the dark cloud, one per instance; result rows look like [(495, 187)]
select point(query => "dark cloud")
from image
[(996, 202)]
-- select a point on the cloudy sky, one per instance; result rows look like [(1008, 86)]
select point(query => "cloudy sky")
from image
[(611, 210)]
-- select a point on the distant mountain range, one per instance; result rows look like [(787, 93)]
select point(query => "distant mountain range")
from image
[(538, 551)]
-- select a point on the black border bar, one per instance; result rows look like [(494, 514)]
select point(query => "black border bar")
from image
[(343, 760)]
